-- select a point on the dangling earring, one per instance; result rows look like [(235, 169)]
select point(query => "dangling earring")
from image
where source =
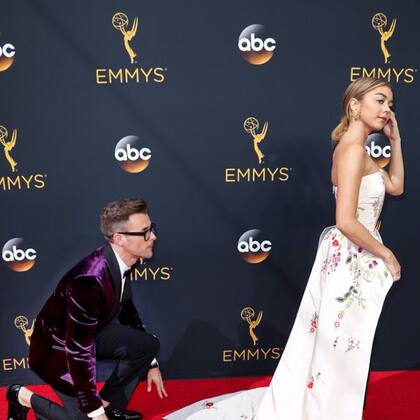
[(356, 114)]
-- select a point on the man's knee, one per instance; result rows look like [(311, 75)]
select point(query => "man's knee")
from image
[(147, 346)]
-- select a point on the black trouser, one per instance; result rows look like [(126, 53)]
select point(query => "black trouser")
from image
[(133, 349)]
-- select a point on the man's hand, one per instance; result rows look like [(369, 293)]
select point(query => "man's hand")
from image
[(154, 376)]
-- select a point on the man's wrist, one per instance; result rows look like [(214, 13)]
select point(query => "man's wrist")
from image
[(154, 364), (98, 412)]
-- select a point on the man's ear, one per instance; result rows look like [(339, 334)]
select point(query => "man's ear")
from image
[(116, 239)]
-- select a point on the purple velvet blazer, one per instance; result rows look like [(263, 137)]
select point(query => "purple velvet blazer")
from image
[(62, 349)]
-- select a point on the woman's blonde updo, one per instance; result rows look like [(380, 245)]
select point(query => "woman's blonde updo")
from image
[(356, 89)]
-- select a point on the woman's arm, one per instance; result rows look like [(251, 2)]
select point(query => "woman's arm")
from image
[(394, 179)]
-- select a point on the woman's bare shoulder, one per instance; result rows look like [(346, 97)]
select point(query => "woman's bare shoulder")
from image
[(348, 156), (349, 151)]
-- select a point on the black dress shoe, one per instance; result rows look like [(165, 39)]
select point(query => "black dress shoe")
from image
[(16, 410), (119, 414)]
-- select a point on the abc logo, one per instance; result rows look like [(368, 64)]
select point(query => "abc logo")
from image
[(379, 149), (253, 247), (17, 256), (7, 52), (255, 46), (131, 155)]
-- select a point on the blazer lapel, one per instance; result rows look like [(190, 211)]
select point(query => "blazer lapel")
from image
[(115, 271)]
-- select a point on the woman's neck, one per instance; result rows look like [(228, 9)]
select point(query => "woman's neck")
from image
[(358, 132)]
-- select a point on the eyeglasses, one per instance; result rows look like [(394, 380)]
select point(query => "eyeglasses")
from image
[(146, 234)]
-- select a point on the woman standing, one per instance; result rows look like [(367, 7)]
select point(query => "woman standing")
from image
[(323, 370)]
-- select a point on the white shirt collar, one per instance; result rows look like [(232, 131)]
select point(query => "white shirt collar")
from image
[(121, 264)]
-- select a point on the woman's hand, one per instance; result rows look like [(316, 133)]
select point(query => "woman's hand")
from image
[(393, 266), (391, 129)]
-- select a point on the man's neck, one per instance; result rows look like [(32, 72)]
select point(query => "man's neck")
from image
[(125, 256)]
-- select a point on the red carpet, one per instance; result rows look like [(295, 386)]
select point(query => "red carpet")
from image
[(391, 395)]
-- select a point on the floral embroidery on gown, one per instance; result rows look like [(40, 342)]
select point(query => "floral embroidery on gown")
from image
[(323, 370)]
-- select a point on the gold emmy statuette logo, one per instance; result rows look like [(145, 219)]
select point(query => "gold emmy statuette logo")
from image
[(120, 22), (247, 314), (251, 124), (379, 22), (21, 323), (258, 352), (128, 73), (8, 145)]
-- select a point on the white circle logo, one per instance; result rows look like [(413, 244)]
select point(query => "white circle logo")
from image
[(132, 155), (255, 46), (379, 149), (17, 256), (253, 247), (7, 52)]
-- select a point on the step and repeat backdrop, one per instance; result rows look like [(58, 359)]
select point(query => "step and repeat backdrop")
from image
[(219, 115)]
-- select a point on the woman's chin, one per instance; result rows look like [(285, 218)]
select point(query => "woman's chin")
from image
[(377, 127)]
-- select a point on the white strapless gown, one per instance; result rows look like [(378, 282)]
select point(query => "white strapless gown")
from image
[(323, 370)]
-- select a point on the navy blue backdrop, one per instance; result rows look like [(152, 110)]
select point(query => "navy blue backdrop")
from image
[(77, 78)]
